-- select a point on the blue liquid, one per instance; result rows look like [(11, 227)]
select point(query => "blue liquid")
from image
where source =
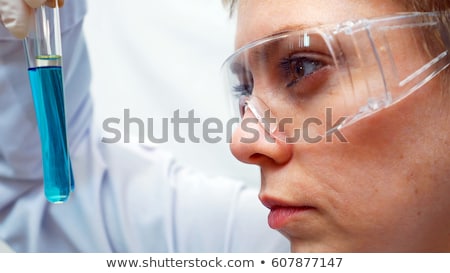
[(47, 89)]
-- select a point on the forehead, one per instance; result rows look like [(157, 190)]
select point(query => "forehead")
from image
[(257, 19)]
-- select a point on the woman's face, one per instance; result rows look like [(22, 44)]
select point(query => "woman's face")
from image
[(386, 189)]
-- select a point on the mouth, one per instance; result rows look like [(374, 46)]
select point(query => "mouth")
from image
[(281, 213), (281, 216)]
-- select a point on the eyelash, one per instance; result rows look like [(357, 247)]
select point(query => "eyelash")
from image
[(290, 68), (242, 89)]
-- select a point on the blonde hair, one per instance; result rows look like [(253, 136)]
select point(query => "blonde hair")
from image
[(423, 5), (435, 5)]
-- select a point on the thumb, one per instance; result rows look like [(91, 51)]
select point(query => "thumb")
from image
[(50, 3), (17, 17), (35, 3)]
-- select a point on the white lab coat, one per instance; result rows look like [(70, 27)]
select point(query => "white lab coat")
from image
[(128, 197)]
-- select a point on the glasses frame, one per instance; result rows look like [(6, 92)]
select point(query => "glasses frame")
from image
[(361, 32)]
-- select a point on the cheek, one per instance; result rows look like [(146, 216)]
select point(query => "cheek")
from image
[(392, 170)]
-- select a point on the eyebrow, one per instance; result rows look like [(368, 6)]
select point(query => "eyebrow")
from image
[(292, 27), (261, 55), (281, 30)]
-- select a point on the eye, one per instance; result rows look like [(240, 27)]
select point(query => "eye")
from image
[(241, 92), (297, 68), (244, 82), (242, 89), (242, 86)]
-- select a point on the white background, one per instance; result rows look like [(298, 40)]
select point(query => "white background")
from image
[(155, 57)]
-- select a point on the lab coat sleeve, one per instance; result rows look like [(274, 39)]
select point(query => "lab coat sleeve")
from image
[(167, 207), (221, 212), (137, 198)]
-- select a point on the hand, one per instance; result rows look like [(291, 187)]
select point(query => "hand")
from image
[(18, 15)]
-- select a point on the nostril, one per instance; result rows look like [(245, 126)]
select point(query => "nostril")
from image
[(256, 157), (261, 160)]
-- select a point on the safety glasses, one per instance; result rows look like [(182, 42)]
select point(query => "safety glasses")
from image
[(328, 77)]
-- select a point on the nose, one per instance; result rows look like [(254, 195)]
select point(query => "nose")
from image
[(252, 144)]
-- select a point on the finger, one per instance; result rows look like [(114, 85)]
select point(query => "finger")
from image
[(52, 3), (35, 3), (17, 17)]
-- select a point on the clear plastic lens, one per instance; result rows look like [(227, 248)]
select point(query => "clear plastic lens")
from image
[(326, 78), (263, 115)]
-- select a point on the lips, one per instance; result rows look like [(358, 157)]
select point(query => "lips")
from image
[(279, 216), (282, 212)]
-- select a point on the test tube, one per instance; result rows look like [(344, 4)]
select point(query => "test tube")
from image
[(44, 57)]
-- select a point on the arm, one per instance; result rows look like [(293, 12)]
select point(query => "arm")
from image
[(20, 155), (20, 150)]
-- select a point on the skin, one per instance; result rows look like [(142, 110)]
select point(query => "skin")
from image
[(387, 189), (52, 3)]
